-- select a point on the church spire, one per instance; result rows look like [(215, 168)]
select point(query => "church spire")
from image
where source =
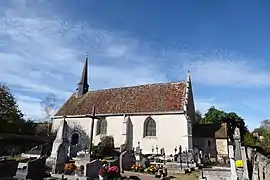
[(82, 86), (188, 76)]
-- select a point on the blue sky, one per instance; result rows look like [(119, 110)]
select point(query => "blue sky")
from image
[(225, 45)]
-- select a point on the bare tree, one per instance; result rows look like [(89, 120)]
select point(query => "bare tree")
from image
[(48, 106)]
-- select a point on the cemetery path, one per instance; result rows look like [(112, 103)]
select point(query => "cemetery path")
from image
[(139, 175)]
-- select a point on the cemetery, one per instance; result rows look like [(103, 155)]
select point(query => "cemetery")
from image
[(108, 163)]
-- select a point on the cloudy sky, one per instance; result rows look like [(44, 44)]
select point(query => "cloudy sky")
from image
[(225, 45)]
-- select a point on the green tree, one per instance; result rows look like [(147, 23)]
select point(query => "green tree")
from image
[(28, 127), (251, 140), (11, 118), (216, 116), (264, 132), (213, 116)]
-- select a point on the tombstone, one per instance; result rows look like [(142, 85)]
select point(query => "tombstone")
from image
[(35, 170), (60, 148), (200, 156), (123, 147), (126, 160), (8, 168), (244, 158), (61, 138), (91, 169), (137, 152), (232, 163)]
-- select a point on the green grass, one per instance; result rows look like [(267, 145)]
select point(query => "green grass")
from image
[(189, 176)]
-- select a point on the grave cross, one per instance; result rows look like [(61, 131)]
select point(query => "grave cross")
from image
[(93, 117)]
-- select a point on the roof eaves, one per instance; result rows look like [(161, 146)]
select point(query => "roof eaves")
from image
[(122, 114)]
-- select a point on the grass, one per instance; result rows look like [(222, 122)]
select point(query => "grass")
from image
[(189, 176)]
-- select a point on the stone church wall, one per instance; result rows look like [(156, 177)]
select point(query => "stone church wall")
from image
[(171, 131)]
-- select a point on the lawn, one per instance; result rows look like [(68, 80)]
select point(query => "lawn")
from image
[(190, 176)]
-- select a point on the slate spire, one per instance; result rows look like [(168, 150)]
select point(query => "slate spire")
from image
[(82, 86)]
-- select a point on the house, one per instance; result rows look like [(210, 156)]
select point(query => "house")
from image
[(151, 116), (211, 139)]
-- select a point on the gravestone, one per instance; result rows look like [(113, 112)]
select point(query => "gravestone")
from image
[(91, 169), (244, 158), (126, 160), (35, 170), (200, 156), (186, 157), (8, 168), (60, 148)]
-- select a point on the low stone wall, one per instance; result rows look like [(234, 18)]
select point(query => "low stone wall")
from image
[(216, 174), (260, 167)]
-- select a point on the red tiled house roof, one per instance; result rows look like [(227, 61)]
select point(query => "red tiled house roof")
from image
[(162, 97)]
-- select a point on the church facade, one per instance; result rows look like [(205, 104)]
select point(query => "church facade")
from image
[(151, 116)]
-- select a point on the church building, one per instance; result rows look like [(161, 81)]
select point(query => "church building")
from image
[(151, 116)]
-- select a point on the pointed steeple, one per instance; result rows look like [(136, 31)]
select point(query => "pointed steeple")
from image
[(188, 76), (82, 86)]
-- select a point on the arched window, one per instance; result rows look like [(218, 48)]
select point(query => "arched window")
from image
[(74, 139), (149, 127), (102, 126)]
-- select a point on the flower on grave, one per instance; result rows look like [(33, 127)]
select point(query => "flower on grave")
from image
[(113, 172), (70, 167), (137, 167), (152, 169), (103, 170)]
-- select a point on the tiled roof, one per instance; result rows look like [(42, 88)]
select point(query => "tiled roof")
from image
[(162, 97), (210, 130)]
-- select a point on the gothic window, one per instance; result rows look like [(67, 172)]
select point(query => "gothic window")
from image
[(74, 139), (102, 126), (149, 127)]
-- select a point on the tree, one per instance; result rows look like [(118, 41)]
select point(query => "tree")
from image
[(48, 106), (28, 127), (213, 116), (250, 140), (106, 145), (216, 116), (264, 132), (11, 117), (198, 117)]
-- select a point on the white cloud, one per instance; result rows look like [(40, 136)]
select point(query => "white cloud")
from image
[(41, 53), (29, 105), (225, 69)]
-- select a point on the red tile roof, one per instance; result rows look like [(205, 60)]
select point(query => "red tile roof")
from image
[(162, 97)]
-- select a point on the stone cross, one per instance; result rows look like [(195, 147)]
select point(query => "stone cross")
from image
[(93, 116), (237, 141)]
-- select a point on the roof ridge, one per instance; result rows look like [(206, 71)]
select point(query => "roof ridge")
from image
[(140, 85)]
